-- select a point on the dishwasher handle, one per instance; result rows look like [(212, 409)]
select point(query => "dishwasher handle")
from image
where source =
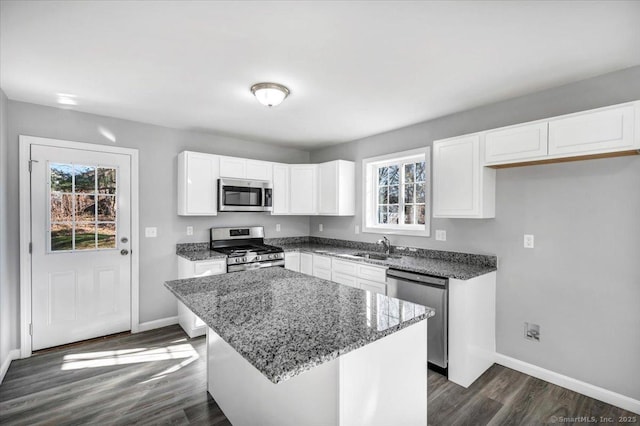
[(418, 278)]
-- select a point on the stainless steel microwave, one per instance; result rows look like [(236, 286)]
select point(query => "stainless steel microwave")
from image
[(238, 195)]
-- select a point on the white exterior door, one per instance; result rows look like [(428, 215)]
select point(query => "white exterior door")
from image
[(81, 236)]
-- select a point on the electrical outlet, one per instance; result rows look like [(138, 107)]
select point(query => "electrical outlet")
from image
[(528, 241), (277, 227), (189, 230), (151, 232), (532, 331), (441, 235), (320, 227), (356, 230)]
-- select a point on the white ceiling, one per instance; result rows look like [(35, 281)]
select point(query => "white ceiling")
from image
[(353, 68)]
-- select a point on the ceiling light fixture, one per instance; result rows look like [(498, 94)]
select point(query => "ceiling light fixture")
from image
[(269, 94)]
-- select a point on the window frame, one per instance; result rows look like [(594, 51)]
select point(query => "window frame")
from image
[(370, 194)]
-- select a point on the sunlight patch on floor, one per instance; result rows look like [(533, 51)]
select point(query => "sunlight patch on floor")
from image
[(129, 356)]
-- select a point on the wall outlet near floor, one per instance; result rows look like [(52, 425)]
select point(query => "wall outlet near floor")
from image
[(356, 230), (278, 227), (320, 227), (441, 235), (189, 230), (532, 331), (151, 232), (528, 241)]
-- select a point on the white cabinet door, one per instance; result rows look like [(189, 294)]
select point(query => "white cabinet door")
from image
[(292, 261), (462, 187), (372, 286), (259, 170), (197, 184), (372, 273), (603, 130), (328, 189), (344, 279), (303, 188), (306, 263), (322, 266), (515, 144), (280, 189), (336, 188), (232, 167)]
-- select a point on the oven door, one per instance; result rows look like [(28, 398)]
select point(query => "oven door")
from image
[(242, 195)]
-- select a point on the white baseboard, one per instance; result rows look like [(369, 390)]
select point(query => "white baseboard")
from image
[(575, 385), (159, 323), (13, 354)]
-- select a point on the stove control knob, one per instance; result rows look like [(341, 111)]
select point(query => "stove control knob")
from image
[(258, 258), (273, 256)]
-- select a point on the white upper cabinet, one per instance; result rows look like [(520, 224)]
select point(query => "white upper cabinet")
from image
[(592, 132), (336, 188), (243, 168), (259, 170), (232, 167), (462, 187), (516, 143), (280, 189), (197, 184), (303, 188)]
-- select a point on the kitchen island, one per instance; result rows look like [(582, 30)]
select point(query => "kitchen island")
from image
[(287, 348)]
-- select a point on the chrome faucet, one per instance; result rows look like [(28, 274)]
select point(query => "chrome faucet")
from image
[(386, 244)]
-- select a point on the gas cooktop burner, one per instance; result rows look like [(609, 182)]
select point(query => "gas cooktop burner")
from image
[(245, 248)]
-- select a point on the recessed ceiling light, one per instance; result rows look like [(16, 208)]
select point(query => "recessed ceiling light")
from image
[(269, 94), (67, 99)]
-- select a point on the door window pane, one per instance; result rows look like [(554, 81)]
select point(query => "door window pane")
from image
[(80, 218), (85, 178), (61, 236), (106, 180), (61, 177), (61, 207), (106, 235), (106, 208), (85, 207)]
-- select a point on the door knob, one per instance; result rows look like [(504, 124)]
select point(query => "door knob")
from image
[(124, 252)]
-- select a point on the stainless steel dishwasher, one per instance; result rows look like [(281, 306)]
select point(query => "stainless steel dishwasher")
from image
[(428, 291)]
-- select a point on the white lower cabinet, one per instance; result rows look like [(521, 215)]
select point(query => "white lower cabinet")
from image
[(357, 275), (190, 323), (306, 263), (322, 266), (292, 261)]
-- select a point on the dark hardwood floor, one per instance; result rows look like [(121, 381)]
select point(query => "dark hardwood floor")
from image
[(159, 377)]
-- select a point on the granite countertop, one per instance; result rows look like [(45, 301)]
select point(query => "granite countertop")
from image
[(443, 264), (285, 323), (423, 265)]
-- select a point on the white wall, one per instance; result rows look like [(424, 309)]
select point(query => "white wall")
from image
[(581, 283), (158, 147)]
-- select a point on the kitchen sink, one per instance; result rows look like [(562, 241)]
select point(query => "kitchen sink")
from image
[(377, 256)]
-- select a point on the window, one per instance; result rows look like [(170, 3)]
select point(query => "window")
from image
[(397, 193), (82, 207)]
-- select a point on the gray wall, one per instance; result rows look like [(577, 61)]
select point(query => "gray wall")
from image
[(581, 283), (8, 310), (158, 148)]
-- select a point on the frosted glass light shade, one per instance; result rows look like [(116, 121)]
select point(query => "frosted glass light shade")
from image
[(270, 94)]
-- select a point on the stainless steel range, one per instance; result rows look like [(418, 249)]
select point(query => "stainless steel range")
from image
[(245, 248)]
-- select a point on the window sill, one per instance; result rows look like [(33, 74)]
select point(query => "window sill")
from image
[(418, 231)]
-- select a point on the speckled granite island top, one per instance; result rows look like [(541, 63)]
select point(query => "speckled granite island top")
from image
[(285, 323)]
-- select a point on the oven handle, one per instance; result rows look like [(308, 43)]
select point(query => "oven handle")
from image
[(255, 265)]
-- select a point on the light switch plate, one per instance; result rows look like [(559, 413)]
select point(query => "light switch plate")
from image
[(441, 235), (528, 241), (320, 227), (277, 227), (356, 230), (189, 230), (151, 232)]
